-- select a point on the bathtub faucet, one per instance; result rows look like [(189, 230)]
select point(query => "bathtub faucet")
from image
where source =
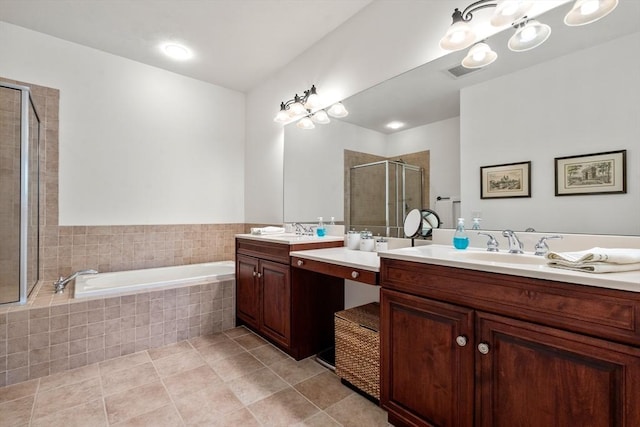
[(61, 283)]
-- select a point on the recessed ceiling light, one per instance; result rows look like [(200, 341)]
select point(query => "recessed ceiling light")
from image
[(176, 51), (395, 125)]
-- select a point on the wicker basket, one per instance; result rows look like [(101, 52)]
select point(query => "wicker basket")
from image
[(358, 347)]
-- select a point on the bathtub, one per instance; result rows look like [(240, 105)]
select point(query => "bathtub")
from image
[(120, 282)]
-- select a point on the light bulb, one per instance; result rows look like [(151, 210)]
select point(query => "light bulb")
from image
[(296, 109), (282, 116), (480, 55), (305, 123), (321, 117), (528, 33), (338, 110), (589, 6)]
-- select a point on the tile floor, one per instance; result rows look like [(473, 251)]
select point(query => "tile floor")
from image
[(233, 378)]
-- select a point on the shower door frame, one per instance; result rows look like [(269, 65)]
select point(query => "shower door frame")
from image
[(404, 166), (25, 103)]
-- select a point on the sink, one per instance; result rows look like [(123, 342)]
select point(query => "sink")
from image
[(499, 257)]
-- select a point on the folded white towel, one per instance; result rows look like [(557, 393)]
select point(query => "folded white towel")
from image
[(604, 255), (596, 260), (267, 230), (596, 267)]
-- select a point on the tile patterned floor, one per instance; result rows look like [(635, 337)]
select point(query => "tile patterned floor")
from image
[(234, 378)]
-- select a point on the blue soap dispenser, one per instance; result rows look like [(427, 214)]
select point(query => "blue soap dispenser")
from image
[(320, 230), (460, 238)]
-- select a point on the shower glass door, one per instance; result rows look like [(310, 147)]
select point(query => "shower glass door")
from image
[(19, 204)]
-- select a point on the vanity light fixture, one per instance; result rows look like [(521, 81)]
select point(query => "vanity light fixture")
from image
[(480, 55), (302, 107), (587, 11), (529, 33)]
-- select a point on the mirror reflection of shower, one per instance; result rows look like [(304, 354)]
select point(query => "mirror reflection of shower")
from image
[(381, 194), (19, 186)]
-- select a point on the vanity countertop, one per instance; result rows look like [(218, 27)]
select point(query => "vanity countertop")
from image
[(527, 265), (290, 238), (342, 256)]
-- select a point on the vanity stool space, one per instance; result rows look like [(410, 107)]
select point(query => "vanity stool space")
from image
[(462, 347), (292, 310)]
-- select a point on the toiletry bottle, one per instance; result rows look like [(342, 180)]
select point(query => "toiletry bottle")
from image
[(333, 220), (476, 224), (320, 231), (460, 239)]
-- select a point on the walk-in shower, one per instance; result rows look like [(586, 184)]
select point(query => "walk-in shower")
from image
[(382, 193), (19, 189)]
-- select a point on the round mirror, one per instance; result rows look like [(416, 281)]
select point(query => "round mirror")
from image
[(430, 220), (413, 224)]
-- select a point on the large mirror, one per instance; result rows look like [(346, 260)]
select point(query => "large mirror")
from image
[(576, 94)]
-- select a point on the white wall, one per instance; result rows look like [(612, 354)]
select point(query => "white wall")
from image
[(314, 168), (442, 139), (138, 145), (588, 99)]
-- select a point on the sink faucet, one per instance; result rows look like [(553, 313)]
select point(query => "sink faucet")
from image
[(61, 283), (541, 247), (492, 243), (515, 245)]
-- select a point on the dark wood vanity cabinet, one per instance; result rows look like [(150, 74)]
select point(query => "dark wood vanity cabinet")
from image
[(467, 348), (294, 310)]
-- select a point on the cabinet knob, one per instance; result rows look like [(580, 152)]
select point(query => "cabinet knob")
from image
[(461, 340), (255, 274), (355, 274), (300, 263), (259, 275), (483, 348)]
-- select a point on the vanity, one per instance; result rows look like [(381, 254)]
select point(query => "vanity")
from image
[(291, 308), (471, 341)]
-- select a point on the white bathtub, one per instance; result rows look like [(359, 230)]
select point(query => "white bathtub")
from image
[(120, 282)]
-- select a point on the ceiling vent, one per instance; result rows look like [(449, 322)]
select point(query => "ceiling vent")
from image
[(459, 71)]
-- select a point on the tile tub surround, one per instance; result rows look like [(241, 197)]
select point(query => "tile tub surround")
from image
[(233, 378), (56, 333)]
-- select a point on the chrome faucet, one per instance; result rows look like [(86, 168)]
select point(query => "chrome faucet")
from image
[(61, 283), (515, 245), (492, 243), (541, 247)]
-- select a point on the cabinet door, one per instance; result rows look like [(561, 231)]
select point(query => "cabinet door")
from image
[(247, 291), (276, 301), (427, 368), (539, 376)]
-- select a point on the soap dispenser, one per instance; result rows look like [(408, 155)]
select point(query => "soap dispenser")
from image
[(320, 230), (460, 238)]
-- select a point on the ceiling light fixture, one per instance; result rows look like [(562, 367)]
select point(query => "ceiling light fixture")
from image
[(302, 108), (529, 33), (395, 125), (176, 51)]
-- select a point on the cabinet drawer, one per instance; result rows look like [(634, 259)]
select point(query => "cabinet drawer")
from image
[(356, 274), (600, 312)]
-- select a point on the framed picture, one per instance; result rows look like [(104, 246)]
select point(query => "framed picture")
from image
[(504, 181), (599, 173)]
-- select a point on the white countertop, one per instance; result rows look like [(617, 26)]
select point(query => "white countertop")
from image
[(527, 265), (291, 238), (342, 256)]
